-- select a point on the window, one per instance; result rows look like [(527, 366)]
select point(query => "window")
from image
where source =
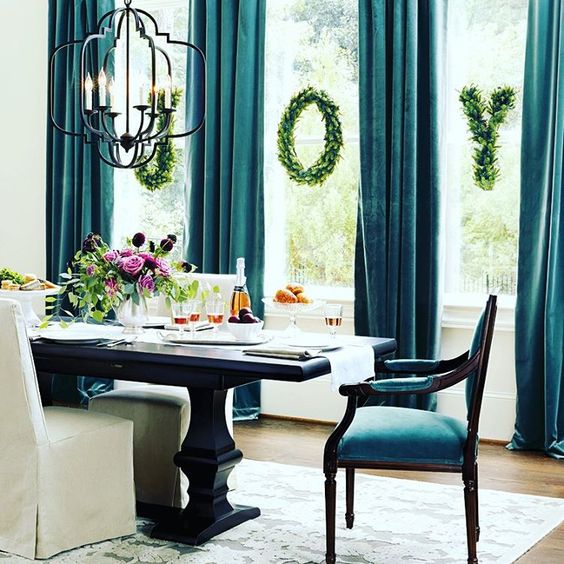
[(310, 231), (486, 47), (162, 212)]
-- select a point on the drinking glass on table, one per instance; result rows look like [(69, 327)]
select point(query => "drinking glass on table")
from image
[(215, 310), (181, 312), (333, 318), (195, 313)]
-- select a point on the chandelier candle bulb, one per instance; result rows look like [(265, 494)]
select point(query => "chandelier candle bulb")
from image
[(88, 87), (102, 88), (111, 90)]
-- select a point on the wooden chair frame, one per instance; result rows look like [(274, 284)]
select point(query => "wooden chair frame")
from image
[(445, 374)]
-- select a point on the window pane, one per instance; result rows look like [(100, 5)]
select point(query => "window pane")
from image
[(310, 230), (486, 48)]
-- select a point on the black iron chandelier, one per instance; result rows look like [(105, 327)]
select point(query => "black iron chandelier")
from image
[(107, 83)]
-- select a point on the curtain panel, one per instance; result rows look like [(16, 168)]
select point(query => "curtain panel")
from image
[(539, 313), (79, 184), (225, 185), (397, 278)]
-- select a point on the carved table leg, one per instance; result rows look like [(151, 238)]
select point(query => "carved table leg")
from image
[(207, 457)]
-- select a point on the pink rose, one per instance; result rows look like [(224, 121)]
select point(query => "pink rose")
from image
[(163, 267), (111, 287), (146, 282), (132, 265), (110, 256), (90, 270), (126, 252)]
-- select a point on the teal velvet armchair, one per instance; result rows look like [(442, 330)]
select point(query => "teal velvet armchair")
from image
[(401, 438)]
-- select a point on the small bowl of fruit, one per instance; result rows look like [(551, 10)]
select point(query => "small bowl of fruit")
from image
[(245, 326)]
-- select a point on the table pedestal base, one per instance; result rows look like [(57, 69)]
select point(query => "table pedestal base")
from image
[(207, 457)]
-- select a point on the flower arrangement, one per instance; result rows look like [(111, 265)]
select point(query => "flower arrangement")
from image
[(100, 279)]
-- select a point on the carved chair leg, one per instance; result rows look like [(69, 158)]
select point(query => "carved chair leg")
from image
[(330, 503), (349, 515), (470, 505), (477, 504)]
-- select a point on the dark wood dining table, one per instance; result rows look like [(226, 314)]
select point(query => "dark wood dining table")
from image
[(208, 453)]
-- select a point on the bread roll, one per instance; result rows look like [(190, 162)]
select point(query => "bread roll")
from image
[(295, 288), (285, 297)]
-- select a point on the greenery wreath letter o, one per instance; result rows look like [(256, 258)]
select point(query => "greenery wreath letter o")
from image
[(327, 161)]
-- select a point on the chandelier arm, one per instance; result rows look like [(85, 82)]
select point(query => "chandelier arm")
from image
[(90, 126), (113, 136), (164, 129), (52, 89)]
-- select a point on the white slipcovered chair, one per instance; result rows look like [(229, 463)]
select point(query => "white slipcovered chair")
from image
[(161, 415), (66, 476)]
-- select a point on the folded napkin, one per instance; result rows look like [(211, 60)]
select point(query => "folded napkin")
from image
[(350, 365), (280, 351)]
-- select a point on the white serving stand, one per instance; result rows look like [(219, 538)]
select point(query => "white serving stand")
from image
[(26, 301)]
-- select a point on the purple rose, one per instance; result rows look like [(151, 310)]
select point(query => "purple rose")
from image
[(163, 267), (138, 240), (146, 282), (125, 252), (111, 287), (132, 265), (110, 256), (150, 261), (90, 270)]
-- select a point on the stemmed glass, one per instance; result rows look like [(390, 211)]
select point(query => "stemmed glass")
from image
[(181, 314), (333, 318), (215, 310)]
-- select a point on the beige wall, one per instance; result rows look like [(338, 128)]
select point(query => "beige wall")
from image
[(23, 99)]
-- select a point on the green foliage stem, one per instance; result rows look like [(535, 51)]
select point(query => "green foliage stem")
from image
[(484, 132), (159, 172), (327, 161)]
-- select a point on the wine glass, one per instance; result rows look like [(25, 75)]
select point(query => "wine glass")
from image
[(181, 313), (215, 310), (195, 312), (333, 318)]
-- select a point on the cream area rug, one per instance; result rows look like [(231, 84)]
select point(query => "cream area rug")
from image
[(397, 521)]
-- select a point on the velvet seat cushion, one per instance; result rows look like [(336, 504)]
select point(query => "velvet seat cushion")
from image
[(397, 434)]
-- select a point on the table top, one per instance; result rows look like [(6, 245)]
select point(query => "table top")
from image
[(219, 367)]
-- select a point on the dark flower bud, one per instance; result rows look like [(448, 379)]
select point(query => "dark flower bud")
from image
[(173, 238), (90, 235), (167, 245), (138, 240), (89, 246), (185, 266), (152, 246)]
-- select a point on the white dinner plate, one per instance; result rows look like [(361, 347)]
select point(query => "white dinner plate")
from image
[(312, 342), (64, 336), (205, 339)]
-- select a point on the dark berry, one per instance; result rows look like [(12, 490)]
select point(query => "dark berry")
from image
[(233, 319), (248, 318), (244, 311)]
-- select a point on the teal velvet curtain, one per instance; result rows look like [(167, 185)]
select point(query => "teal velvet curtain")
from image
[(225, 202), (539, 315), (401, 51), (79, 185)]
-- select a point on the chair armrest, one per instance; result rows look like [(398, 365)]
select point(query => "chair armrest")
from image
[(412, 385), (419, 366), (394, 385)]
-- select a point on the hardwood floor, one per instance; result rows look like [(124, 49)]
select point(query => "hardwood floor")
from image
[(301, 443)]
